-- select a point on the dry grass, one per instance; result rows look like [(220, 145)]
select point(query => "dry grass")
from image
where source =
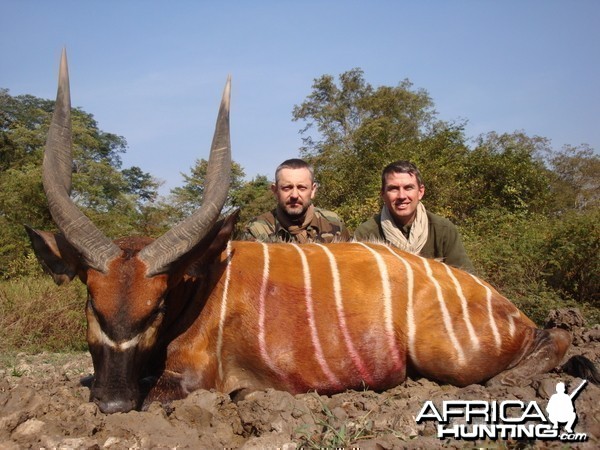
[(37, 316)]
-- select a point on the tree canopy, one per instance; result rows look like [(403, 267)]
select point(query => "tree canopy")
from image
[(189, 197), (251, 197), (352, 131), (111, 196)]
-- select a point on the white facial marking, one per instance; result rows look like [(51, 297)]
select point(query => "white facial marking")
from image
[(120, 346), (144, 339)]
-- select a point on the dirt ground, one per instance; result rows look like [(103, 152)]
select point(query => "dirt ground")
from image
[(44, 405)]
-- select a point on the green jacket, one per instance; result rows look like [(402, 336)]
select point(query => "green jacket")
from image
[(443, 240), (325, 227)]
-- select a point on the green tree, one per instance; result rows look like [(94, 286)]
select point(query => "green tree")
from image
[(158, 217), (576, 182), (507, 171), (111, 197), (23, 125), (188, 197), (140, 184), (353, 130), (253, 198)]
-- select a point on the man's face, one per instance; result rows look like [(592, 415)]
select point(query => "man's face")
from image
[(401, 194), (294, 191)]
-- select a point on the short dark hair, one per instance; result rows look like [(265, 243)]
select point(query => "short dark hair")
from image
[(295, 163), (401, 166)]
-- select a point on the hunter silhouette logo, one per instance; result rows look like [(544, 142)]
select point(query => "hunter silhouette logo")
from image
[(560, 407), (508, 419)]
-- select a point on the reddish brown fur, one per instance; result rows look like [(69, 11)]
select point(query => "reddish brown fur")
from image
[(187, 326), (287, 328)]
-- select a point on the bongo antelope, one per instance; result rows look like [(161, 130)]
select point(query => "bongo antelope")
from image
[(197, 310)]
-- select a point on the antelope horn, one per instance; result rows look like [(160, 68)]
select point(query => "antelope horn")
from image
[(184, 236), (96, 248)]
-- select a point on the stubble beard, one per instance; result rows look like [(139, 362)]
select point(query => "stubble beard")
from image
[(295, 212)]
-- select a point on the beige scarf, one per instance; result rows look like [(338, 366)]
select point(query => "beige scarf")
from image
[(297, 228), (417, 237)]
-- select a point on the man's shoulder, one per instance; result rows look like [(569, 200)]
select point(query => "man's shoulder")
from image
[(261, 226), (330, 226), (439, 221), (373, 221), (330, 216), (448, 243), (268, 216), (368, 229), (265, 218)]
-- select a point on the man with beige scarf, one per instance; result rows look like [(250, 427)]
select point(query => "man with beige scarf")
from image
[(405, 223), (295, 219)]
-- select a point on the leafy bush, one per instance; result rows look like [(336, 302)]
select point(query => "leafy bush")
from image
[(572, 250), (528, 259)]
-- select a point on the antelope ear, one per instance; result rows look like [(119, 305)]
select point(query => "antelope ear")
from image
[(58, 258), (211, 246)]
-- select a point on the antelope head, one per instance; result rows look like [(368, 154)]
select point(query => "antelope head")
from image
[(127, 280)]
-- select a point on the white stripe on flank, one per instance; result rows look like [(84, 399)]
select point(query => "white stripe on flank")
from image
[(494, 327), (465, 309), (445, 314), (511, 325), (511, 322), (387, 304), (223, 311), (337, 291), (410, 306), (261, 310), (311, 319)]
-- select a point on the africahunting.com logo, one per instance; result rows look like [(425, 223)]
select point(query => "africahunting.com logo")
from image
[(509, 419)]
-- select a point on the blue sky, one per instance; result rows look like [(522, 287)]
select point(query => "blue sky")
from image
[(153, 71)]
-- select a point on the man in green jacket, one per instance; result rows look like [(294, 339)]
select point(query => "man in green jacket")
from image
[(405, 223), (295, 219)]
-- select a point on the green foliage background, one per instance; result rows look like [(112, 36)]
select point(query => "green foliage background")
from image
[(528, 212)]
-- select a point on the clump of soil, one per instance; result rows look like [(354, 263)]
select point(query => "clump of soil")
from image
[(44, 405)]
